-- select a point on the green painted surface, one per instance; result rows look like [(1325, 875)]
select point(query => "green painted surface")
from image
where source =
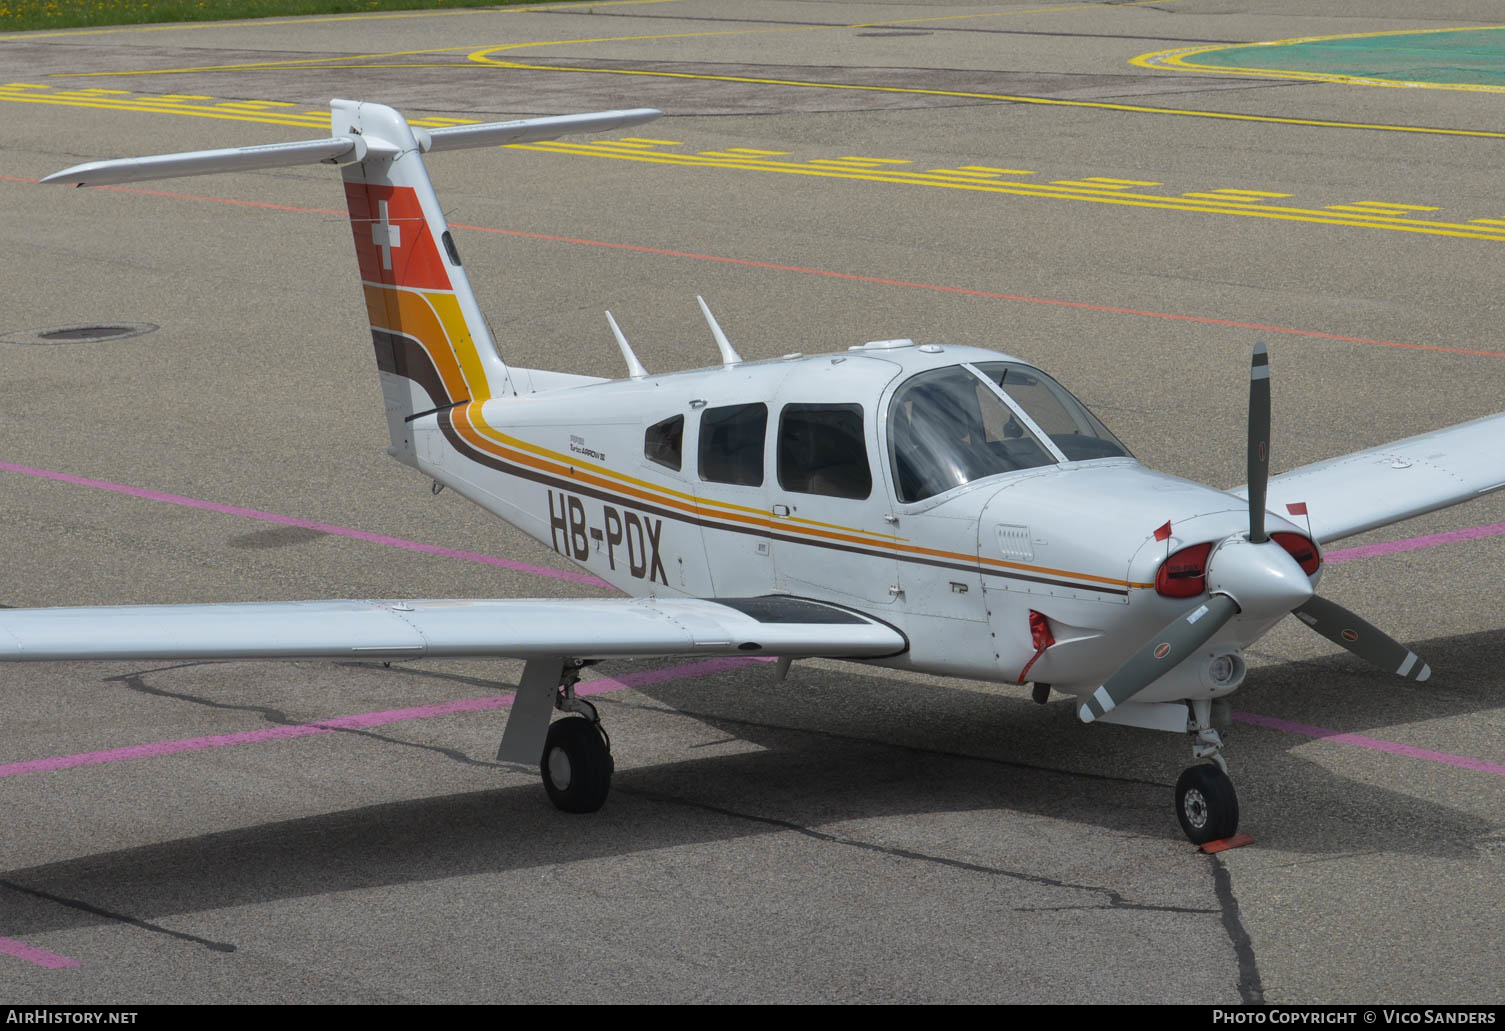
[(1464, 55)]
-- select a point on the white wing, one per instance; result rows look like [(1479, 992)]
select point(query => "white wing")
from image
[(1384, 485), (517, 627)]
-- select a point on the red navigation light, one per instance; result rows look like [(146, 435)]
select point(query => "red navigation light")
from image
[(1184, 574), (1301, 549)]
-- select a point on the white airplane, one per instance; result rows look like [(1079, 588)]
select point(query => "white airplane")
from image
[(939, 509)]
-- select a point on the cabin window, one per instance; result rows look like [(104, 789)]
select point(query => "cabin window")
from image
[(822, 451), (664, 442), (1071, 427), (947, 428), (731, 444)]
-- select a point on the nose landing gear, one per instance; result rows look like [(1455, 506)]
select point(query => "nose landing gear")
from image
[(1206, 804)]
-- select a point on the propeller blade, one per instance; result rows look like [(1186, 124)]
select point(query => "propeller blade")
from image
[(1185, 634), (1365, 640), (1259, 441)]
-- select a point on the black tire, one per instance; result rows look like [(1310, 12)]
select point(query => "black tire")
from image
[(1206, 804), (576, 765)]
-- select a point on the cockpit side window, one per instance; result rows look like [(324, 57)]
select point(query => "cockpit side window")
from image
[(822, 451), (1073, 429), (731, 444), (664, 442), (946, 428)]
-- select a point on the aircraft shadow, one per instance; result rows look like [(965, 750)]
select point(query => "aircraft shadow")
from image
[(837, 746)]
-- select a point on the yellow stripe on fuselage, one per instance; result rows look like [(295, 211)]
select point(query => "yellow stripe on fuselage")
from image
[(472, 427)]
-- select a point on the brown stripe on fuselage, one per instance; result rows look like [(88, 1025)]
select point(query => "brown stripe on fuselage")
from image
[(538, 475)]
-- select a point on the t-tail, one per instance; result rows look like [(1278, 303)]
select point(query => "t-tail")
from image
[(433, 348)]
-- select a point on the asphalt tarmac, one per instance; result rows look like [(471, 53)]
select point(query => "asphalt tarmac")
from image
[(825, 174)]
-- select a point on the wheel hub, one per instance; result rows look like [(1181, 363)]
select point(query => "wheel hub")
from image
[(1196, 808), (559, 768)]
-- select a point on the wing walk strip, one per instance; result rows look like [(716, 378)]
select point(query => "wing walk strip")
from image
[(466, 430)]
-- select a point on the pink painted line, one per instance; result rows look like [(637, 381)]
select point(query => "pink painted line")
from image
[(307, 524), (1360, 741), (1431, 540), (32, 954), (359, 721)]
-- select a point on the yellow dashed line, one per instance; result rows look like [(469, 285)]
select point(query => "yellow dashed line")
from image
[(1224, 199), (978, 178), (1097, 195), (1390, 206), (1251, 193)]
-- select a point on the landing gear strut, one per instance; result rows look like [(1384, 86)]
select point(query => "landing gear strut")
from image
[(1206, 803)]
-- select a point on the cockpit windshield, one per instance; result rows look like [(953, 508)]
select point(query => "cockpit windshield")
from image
[(1074, 430), (947, 428)]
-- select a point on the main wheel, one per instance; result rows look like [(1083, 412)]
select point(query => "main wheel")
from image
[(1206, 804), (576, 765)]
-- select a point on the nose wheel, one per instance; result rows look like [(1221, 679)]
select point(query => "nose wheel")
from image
[(1206, 804)]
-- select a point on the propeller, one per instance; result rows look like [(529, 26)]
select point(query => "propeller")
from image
[(1251, 574), (1364, 639), (1259, 442), (1184, 635)]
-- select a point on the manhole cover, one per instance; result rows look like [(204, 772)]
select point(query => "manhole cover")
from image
[(78, 334)]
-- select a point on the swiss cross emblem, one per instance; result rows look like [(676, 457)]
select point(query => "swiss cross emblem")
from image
[(393, 241), (385, 235)]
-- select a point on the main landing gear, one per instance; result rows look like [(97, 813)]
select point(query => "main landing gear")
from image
[(573, 754), (576, 764), (1206, 803)]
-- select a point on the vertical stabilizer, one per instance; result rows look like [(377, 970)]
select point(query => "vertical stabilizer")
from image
[(432, 345)]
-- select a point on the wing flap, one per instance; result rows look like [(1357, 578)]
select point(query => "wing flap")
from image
[(1387, 484), (515, 627)]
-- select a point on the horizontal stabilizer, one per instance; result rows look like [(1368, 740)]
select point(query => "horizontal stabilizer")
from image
[(530, 130), (339, 150), (517, 627), (342, 150)]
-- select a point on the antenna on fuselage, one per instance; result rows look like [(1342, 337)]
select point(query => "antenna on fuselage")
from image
[(634, 367), (728, 355)]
